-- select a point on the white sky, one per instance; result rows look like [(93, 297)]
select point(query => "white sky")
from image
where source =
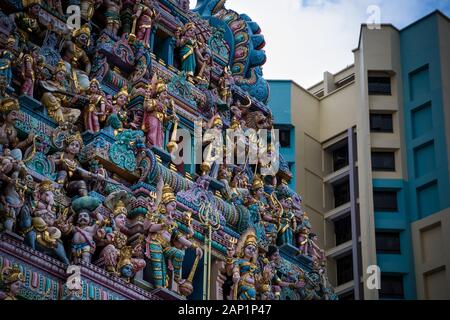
[(304, 38)]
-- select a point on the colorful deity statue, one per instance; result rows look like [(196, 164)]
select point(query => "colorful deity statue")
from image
[(45, 215), (112, 15), (118, 257), (287, 223), (7, 58), (166, 243), (9, 108), (95, 111), (12, 195), (273, 254), (260, 219), (58, 98), (28, 70), (213, 142), (144, 17), (70, 175), (117, 113), (157, 103), (11, 281), (28, 22), (245, 269), (225, 83), (189, 49), (303, 235), (76, 59), (84, 230)]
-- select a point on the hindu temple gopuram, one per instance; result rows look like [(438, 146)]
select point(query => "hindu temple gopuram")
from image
[(92, 205)]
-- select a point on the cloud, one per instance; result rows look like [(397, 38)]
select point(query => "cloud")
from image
[(307, 37)]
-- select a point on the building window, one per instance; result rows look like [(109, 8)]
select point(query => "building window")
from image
[(391, 287), (381, 123), (344, 269), (385, 201), (340, 158), (380, 85), (343, 230), (341, 194), (383, 161), (285, 138), (388, 242)]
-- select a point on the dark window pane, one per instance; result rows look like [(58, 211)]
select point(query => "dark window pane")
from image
[(388, 242), (341, 194), (385, 201), (340, 158), (285, 138), (383, 161), (344, 269), (379, 85), (381, 123), (391, 287), (343, 230)]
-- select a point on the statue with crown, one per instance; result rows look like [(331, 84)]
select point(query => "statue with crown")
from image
[(166, 243), (11, 281)]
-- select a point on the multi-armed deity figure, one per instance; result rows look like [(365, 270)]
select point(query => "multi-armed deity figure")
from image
[(164, 241), (11, 281)]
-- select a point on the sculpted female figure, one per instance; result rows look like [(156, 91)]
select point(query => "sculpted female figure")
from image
[(189, 49), (144, 18), (245, 268)]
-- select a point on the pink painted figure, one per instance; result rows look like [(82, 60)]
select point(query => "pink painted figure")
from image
[(95, 111), (28, 70), (146, 16), (155, 108)]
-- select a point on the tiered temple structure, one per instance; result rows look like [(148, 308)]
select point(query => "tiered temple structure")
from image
[(93, 205)]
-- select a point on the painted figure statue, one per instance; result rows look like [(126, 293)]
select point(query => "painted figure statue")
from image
[(117, 113), (57, 99), (77, 61), (157, 103), (70, 175), (189, 49), (30, 72), (245, 268), (95, 111), (166, 243), (28, 22), (11, 280), (144, 19), (118, 257), (7, 58)]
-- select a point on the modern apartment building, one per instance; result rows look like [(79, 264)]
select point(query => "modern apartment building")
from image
[(371, 151)]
